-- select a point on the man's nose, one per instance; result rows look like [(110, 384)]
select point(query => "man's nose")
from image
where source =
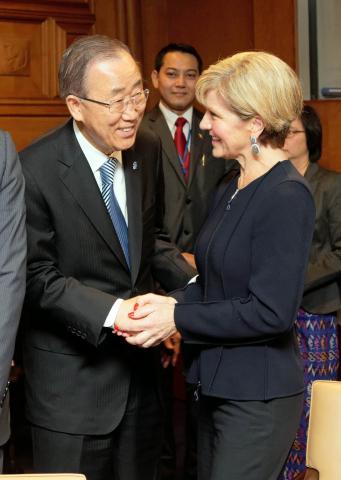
[(181, 81)]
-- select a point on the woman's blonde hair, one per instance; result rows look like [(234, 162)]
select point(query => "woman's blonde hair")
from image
[(256, 83)]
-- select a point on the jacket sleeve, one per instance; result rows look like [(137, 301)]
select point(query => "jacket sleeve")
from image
[(280, 242), (169, 267), (326, 266), (12, 252), (77, 307)]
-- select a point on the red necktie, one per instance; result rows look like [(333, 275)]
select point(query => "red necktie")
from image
[(180, 143)]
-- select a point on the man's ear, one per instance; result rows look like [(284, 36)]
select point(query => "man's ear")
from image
[(155, 78), (74, 105)]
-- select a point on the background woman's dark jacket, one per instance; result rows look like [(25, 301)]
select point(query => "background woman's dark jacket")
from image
[(322, 293)]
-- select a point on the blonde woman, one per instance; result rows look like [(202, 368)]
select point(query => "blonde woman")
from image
[(251, 254)]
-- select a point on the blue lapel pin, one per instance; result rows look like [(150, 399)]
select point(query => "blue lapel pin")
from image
[(135, 165)]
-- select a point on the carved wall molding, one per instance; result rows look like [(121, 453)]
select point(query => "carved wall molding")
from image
[(14, 56), (53, 43), (75, 11)]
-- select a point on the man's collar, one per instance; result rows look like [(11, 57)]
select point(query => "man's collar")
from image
[(95, 157), (172, 116)]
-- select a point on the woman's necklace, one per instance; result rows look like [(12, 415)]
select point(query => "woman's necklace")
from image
[(228, 206)]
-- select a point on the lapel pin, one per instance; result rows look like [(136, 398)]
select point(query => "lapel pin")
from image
[(135, 165), (200, 136), (203, 160)]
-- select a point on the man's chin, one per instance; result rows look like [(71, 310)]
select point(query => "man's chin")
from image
[(126, 143)]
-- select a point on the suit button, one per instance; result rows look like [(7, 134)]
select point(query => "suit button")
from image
[(186, 232), (188, 200)]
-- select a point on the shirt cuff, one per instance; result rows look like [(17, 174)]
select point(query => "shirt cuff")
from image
[(193, 280), (110, 320)]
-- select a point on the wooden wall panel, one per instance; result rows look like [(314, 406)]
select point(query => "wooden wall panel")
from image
[(33, 35), (26, 129), (330, 114), (275, 28), (217, 28)]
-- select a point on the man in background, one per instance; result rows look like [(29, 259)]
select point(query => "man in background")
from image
[(94, 212), (190, 176), (12, 268)]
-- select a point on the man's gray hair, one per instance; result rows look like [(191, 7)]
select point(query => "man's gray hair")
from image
[(78, 57)]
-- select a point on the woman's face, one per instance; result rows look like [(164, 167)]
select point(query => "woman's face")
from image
[(295, 144), (230, 134)]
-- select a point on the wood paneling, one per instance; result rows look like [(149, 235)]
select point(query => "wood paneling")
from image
[(33, 35), (25, 129), (330, 114), (217, 28), (275, 28)]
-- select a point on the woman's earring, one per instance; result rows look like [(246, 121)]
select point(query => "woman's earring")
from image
[(255, 148)]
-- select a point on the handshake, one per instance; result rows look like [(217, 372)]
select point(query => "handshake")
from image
[(146, 320)]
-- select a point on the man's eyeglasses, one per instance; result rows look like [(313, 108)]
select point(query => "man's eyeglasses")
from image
[(138, 100), (291, 133)]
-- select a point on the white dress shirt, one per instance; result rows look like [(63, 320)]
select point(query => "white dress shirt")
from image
[(96, 159), (172, 117)]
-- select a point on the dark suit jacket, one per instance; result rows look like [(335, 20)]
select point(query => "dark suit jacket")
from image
[(186, 205), (323, 282), (77, 372), (240, 314)]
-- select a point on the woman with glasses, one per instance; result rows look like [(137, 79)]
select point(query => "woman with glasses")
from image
[(316, 319)]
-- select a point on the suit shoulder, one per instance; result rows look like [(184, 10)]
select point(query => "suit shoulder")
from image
[(330, 176), (44, 145), (145, 136), (286, 172), (197, 114), (284, 183)]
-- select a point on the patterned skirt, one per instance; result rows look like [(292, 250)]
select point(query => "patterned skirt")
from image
[(318, 344)]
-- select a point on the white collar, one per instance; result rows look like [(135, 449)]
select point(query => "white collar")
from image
[(95, 157), (171, 117)]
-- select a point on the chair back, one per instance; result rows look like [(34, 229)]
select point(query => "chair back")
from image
[(324, 432)]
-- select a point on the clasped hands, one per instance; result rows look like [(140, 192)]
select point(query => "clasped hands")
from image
[(146, 320)]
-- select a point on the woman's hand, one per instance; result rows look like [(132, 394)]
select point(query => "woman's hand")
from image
[(150, 321)]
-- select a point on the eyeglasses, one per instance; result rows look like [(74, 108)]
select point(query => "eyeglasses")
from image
[(291, 133), (138, 100)]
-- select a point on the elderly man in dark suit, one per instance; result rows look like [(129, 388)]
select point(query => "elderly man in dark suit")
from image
[(94, 200), (12, 267)]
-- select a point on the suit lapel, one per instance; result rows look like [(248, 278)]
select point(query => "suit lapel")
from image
[(78, 178), (161, 128), (197, 144), (132, 173)]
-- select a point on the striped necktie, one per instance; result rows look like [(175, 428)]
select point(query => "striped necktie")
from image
[(107, 171)]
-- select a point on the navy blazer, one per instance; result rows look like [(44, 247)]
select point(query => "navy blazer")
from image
[(240, 313)]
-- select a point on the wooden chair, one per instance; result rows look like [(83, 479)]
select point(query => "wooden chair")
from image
[(323, 456), (44, 476)]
